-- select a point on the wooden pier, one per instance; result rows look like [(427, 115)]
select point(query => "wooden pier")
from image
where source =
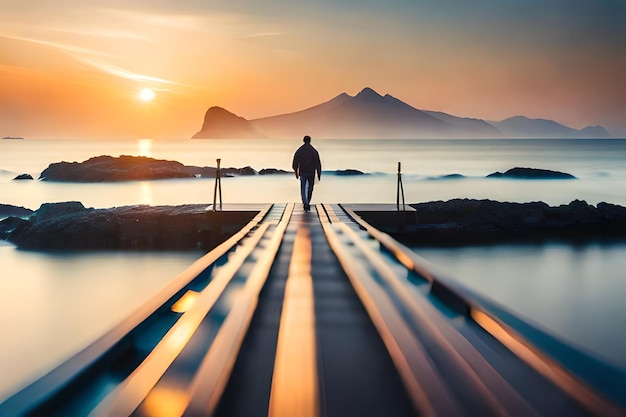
[(321, 314)]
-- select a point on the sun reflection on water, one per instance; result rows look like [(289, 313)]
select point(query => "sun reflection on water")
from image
[(145, 191), (144, 147)]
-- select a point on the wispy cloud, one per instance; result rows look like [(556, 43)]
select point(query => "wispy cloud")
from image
[(108, 33), (63, 47), (92, 58), (261, 35), (121, 72), (170, 21)]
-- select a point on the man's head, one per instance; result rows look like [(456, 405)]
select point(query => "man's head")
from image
[(307, 139)]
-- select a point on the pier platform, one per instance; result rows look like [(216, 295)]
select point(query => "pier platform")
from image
[(320, 313)]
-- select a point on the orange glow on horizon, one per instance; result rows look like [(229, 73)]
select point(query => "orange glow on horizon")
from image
[(75, 71)]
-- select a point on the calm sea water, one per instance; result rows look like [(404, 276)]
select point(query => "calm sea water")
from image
[(599, 165), (575, 292)]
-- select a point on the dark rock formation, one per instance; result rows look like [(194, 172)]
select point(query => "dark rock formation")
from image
[(8, 210), (131, 168), (448, 177), (463, 221), (23, 177), (53, 211), (10, 224), (71, 226), (348, 172), (272, 171), (125, 168), (222, 124), (248, 170), (14, 218), (532, 174)]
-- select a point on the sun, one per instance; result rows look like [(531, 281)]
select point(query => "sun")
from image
[(146, 94)]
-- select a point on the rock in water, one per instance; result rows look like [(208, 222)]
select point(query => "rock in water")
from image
[(125, 168), (23, 177), (272, 171), (348, 172), (532, 174)]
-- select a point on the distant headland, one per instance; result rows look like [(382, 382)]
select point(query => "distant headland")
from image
[(369, 115)]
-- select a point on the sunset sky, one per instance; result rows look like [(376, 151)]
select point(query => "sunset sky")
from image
[(75, 68)]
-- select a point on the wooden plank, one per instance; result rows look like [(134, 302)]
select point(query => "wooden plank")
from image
[(295, 390), (134, 389), (54, 382), (483, 397), (425, 386), (213, 373), (523, 348)]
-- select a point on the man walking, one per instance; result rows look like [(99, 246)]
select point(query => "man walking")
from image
[(306, 162)]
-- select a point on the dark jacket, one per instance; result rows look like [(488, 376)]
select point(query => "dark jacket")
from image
[(306, 160)]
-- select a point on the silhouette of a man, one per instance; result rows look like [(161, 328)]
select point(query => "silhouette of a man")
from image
[(306, 162)]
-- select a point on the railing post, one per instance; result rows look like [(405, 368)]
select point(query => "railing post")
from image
[(218, 185), (400, 189)]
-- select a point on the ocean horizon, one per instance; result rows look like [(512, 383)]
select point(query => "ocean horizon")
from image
[(575, 291)]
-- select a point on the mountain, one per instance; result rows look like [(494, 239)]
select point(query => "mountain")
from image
[(524, 127), (222, 124), (369, 115), (595, 132), (478, 127)]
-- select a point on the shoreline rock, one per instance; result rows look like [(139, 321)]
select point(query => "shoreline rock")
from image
[(462, 222), (458, 222), (7, 210), (71, 226)]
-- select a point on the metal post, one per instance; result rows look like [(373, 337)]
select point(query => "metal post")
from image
[(400, 190), (218, 184)]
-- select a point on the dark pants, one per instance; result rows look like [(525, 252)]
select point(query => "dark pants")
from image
[(306, 187)]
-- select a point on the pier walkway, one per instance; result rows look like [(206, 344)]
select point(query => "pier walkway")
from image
[(318, 314)]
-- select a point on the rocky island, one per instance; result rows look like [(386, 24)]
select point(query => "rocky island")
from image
[(532, 174), (131, 168), (140, 168), (107, 168)]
